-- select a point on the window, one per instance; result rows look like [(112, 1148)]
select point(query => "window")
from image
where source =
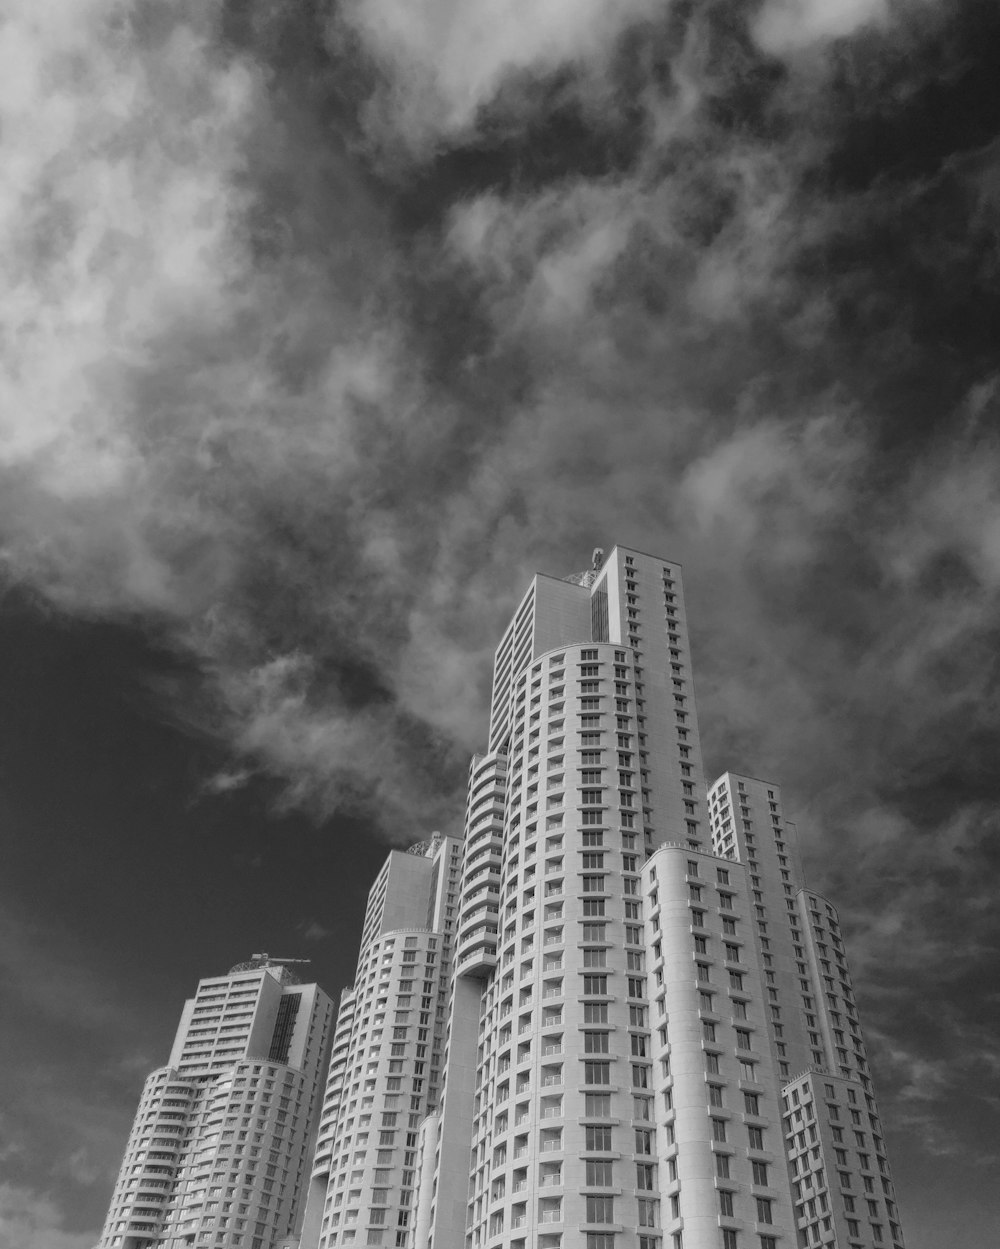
[(597, 1106), (649, 1212), (595, 1042), (729, 1239), (599, 1174), (600, 1210), (719, 1130), (764, 1205), (597, 1138), (597, 1073), (595, 985), (760, 1173), (726, 1202)]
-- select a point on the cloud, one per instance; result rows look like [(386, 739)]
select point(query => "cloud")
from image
[(783, 26), (29, 1220), (317, 447), (442, 62), (180, 389), (312, 930)]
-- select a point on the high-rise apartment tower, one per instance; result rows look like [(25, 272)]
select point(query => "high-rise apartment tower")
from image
[(221, 1141), (651, 1039), (387, 1063)]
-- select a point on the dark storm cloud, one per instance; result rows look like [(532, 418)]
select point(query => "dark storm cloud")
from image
[(328, 326)]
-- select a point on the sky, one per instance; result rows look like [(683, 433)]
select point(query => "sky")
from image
[(322, 328)]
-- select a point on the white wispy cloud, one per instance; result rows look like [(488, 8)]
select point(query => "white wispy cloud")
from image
[(442, 61), (784, 26)]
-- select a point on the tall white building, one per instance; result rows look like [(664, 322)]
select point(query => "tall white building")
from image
[(651, 1038), (387, 1065), (220, 1146)]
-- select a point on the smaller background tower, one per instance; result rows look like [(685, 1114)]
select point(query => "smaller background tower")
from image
[(223, 1134)]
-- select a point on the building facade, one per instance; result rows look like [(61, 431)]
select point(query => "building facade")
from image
[(652, 1041), (387, 1065), (219, 1149)]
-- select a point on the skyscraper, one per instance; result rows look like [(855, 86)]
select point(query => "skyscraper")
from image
[(219, 1147), (387, 1061), (651, 1039)]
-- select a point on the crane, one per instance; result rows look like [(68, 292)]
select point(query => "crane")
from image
[(268, 958)]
